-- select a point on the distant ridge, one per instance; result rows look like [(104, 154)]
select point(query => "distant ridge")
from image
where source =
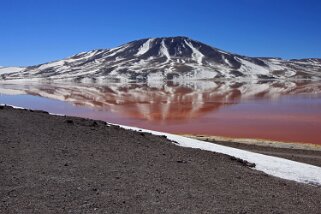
[(168, 58)]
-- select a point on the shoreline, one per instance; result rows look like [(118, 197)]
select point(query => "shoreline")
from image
[(65, 164), (304, 153), (229, 143), (257, 142)]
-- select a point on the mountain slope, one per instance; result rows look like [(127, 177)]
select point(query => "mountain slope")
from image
[(170, 58), (6, 70)]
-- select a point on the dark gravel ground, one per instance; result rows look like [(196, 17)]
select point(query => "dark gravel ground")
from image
[(52, 164)]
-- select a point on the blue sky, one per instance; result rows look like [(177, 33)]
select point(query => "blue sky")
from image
[(38, 31)]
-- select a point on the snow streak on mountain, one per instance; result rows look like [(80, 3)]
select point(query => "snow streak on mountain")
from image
[(170, 58)]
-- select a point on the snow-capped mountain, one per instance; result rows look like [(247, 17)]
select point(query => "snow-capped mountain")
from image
[(169, 58)]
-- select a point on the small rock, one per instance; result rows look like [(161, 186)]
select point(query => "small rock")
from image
[(69, 121), (243, 162), (94, 123), (40, 111)]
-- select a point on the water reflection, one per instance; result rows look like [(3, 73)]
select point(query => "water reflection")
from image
[(159, 102), (225, 108)]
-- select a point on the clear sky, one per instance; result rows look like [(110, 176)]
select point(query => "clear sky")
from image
[(38, 31)]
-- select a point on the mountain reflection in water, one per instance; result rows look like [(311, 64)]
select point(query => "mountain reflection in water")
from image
[(228, 108)]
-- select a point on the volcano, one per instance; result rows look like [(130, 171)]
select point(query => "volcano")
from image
[(167, 58)]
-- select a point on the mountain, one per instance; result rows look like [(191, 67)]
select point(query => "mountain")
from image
[(168, 58)]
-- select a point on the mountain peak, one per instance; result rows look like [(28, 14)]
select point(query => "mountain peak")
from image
[(168, 58), (181, 38), (177, 38)]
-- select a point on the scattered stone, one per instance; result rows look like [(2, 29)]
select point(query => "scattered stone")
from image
[(243, 162), (39, 111), (69, 121), (94, 123), (175, 142), (116, 127)]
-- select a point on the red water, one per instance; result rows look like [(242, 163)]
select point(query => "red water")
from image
[(287, 116), (290, 119)]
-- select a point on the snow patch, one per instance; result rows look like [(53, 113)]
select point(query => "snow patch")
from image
[(7, 70), (278, 167), (164, 51), (197, 55), (252, 69), (52, 64), (145, 47), (117, 50)]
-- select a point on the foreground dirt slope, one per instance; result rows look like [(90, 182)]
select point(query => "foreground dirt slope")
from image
[(52, 164)]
